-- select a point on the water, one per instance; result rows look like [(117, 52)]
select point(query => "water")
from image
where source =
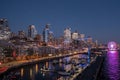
[(110, 69), (35, 72), (111, 66)]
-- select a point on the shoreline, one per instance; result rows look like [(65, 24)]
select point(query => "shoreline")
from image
[(17, 64)]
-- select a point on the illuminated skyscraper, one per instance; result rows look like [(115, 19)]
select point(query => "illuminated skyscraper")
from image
[(4, 24), (67, 35), (32, 31), (50, 36), (75, 35), (4, 29), (82, 36), (46, 33)]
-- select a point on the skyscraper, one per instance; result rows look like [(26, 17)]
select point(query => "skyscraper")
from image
[(82, 36), (67, 35), (50, 36), (46, 33), (4, 24), (4, 29), (32, 31), (75, 35)]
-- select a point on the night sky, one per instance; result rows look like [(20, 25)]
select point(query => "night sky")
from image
[(99, 19)]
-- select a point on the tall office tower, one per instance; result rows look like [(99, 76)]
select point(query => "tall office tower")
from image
[(67, 35), (82, 36), (4, 24), (50, 36), (75, 35), (32, 32), (46, 33), (4, 29)]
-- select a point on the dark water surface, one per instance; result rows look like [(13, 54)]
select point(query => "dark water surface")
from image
[(111, 66)]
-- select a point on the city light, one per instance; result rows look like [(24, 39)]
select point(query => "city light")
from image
[(112, 46)]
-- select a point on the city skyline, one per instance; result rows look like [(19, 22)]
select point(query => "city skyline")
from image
[(98, 19)]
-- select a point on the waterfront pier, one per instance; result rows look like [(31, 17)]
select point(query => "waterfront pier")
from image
[(92, 71)]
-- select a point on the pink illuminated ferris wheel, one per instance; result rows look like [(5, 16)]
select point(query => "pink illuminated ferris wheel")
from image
[(112, 45)]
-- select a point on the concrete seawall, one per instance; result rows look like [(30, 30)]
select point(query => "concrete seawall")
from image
[(99, 69)]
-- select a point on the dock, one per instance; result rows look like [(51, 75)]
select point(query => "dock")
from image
[(91, 72)]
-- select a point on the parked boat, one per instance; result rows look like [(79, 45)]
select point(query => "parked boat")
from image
[(64, 73), (3, 69)]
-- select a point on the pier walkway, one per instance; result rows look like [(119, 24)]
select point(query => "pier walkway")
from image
[(91, 72)]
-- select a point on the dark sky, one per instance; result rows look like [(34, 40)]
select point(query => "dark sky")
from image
[(99, 19)]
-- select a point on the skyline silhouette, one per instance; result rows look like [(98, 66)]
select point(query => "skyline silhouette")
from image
[(98, 19)]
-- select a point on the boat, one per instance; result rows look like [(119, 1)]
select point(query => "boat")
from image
[(55, 62), (3, 69), (47, 70), (64, 73), (99, 53), (44, 69)]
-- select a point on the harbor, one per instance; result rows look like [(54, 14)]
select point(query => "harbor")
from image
[(67, 67), (59, 40)]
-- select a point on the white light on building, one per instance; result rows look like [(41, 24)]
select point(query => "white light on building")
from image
[(82, 35), (67, 34), (75, 35), (32, 32)]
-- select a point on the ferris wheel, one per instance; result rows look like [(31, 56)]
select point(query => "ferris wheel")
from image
[(112, 46)]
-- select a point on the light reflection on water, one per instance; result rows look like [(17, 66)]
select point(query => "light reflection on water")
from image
[(22, 72), (111, 69), (36, 68), (31, 73)]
